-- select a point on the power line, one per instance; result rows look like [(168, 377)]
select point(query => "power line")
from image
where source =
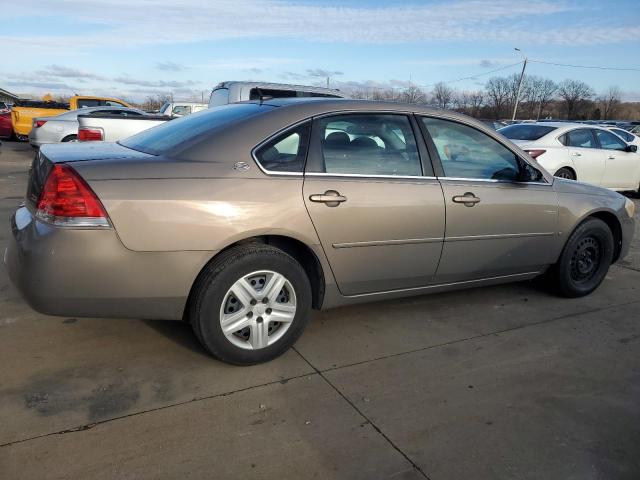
[(628, 69), (471, 77)]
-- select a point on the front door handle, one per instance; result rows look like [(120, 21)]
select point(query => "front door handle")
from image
[(330, 198), (576, 154), (611, 157), (469, 199)]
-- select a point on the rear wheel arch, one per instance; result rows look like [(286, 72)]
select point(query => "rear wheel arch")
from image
[(570, 169), (297, 249), (69, 138)]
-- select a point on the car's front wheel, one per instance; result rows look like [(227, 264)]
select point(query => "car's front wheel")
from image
[(251, 304), (585, 259)]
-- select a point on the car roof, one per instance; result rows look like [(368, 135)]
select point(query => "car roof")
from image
[(319, 105)]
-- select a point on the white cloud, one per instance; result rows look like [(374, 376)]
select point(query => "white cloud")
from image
[(132, 24)]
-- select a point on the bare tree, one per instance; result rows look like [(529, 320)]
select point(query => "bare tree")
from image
[(153, 103), (609, 102), (546, 91), (498, 92), (574, 93), (413, 95), (442, 95)]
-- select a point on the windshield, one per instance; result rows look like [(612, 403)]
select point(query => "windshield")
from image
[(164, 106), (173, 133), (525, 131)]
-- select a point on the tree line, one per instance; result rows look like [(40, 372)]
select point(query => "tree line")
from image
[(540, 98)]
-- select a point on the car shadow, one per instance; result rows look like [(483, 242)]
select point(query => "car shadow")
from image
[(179, 333)]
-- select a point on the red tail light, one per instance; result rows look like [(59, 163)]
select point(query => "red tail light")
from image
[(38, 123), (66, 199), (535, 153), (87, 134)]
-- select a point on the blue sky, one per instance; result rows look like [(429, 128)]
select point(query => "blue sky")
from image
[(134, 48)]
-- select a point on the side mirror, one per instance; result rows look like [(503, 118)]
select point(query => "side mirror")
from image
[(631, 148), (530, 174)]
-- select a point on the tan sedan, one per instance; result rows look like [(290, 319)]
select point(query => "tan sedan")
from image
[(241, 219)]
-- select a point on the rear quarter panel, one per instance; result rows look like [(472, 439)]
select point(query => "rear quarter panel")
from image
[(204, 213), (22, 117)]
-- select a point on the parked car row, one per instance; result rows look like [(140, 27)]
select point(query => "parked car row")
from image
[(113, 120)]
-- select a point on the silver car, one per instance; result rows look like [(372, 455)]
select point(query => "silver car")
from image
[(64, 127), (241, 219)]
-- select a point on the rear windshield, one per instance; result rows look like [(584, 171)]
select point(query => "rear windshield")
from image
[(173, 133), (524, 131)]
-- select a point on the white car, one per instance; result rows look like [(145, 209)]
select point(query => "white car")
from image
[(580, 152)]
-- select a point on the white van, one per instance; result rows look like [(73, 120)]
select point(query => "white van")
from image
[(180, 109), (232, 92)]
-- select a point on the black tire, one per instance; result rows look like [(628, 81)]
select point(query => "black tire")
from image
[(70, 138), (215, 281), (565, 173), (585, 259)]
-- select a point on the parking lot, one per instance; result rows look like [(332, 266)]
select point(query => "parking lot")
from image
[(499, 382)]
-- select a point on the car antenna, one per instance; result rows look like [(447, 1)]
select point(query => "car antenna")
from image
[(260, 95)]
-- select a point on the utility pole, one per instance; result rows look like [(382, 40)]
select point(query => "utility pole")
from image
[(524, 66)]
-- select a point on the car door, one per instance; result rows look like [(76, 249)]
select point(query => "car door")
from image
[(621, 166), (379, 219), (588, 161), (502, 214)]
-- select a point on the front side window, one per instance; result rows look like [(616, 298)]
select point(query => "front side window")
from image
[(469, 153), (581, 138), (626, 136), (286, 152), (609, 141), (369, 144)]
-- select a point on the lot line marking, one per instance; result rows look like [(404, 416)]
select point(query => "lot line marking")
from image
[(367, 419)]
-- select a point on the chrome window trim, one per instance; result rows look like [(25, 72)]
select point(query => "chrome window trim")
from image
[(491, 180), (362, 175)]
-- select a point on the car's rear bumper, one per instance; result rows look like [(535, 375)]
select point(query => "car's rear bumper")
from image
[(88, 272)]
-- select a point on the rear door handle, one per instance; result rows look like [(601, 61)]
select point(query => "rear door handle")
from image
[(469, 199), (330, 198), (611, 157)]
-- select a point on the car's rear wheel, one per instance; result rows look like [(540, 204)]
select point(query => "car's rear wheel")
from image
[(70, 138), (565, 173), (250, 304), (585, 259)]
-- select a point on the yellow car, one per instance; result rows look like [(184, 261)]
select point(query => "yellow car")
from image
[(24, 111)]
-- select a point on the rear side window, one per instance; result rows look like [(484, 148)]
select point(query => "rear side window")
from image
[(286, 152), (526, 131), (369, 144), (581, 138), (469, 153), (174, 133), (111, 103)]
